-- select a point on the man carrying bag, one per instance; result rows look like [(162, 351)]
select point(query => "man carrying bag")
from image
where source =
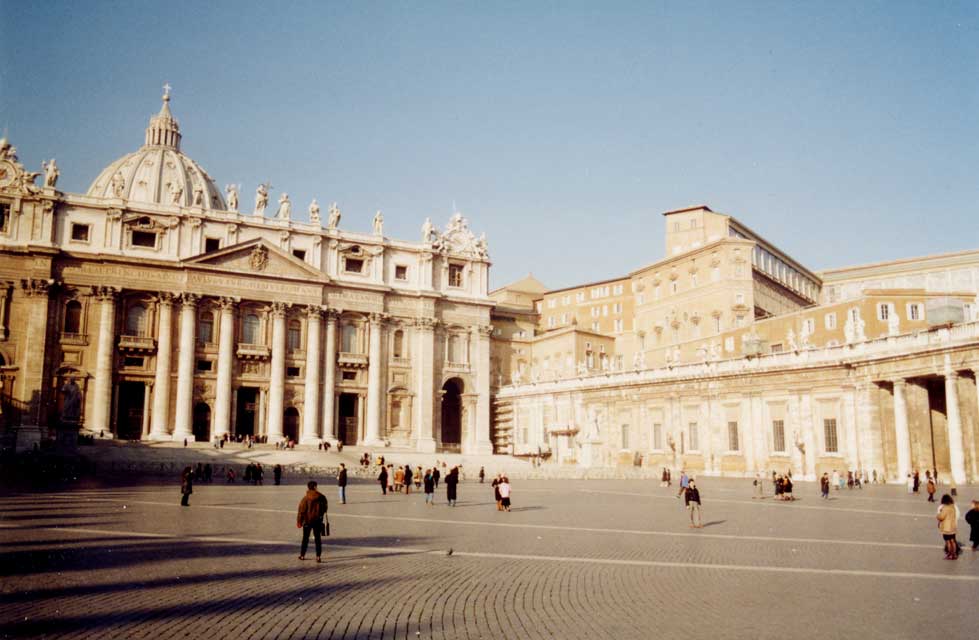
[(312, 511)]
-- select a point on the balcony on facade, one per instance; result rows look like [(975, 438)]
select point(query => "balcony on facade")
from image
[(352, 360), (248, 351), (75, 339), (133, 343)]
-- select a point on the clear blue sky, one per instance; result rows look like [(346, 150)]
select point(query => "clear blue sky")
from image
[(845, 132)]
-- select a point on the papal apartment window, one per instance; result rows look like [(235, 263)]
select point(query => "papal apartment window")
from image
[(455, 275), (829, 429), (353, 265), (830, 321), (883, 311), (80, 232), (400, 272), (145, 239), (778, 435), (914, 312), (732, 436), (211, 244)]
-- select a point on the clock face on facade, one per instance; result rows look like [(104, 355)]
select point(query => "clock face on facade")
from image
[(6, 174)]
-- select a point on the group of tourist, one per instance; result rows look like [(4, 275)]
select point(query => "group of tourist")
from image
[(501, 491)]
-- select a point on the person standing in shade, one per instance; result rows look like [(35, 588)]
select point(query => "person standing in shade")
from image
[(451, 486), (391, 478), (312, 510), (910, 482), (930, 488), (505, 493), (277, 474), (429, 482), (186, 486), (342, 483), (692, 498), (436, 474), (382, 478), (407, 479), (948, 527), (482, 475), (972, 517), (824, 485)]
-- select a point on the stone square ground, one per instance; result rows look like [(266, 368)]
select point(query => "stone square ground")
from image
[(574, 559)]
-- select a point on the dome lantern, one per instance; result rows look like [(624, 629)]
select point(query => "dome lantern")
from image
[(163, 130)]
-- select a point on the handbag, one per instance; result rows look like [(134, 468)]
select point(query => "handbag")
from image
[(325, 528)]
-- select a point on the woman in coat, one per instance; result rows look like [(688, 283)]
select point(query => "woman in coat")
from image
[(947, 526), (451, 484), (186, 486)]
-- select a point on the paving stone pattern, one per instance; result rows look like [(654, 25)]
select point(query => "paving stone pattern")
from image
[(574, 559)]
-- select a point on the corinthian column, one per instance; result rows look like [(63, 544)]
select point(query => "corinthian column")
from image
[(423, 367), (277, 377), (482, 444), (956, 456), (374, 391), (311, 414), (160, 427), (330, 375), (902, 436), (102, 394), (226, 355), (183, 427)]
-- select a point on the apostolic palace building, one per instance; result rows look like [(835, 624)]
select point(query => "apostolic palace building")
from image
[(153, 307)]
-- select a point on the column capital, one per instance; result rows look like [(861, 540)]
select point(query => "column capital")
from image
[(331, 314), (166, 298), (105, 294), (899, 382), (189, 299), (426, 324), (315, 311), (227, 303), (484, 330), (279, 309), (950, 374), (37, 287), (378, 318)]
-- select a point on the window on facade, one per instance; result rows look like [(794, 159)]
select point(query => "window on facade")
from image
[(203, 365), (353, 265), (595, 312), (830, 320), (914, 312), (694, 436), (619, 324), (399, 344), (604, 309), (809, 326), (729, 344), (294, 336), (552, 303), (143, 239), (79, 232), (564, 318), (4, 216), (883, 311), (457, 349), (400, 272), (596, 326), (211, 244), (674, 286), (676, 226), (777, 347), (739, 321), (205, 328), (717, 324), (293, 372), (550, 322), (618, 289), (132, 361), (455, 276), (829, 429), (617, 307), (299, 253), (715, 274), (580, 296), (249, 329), (348, 339), (656, 293), (590, 360), (739, 298), (657, 435), (73, 317), (136, 320), (693, 279), (625, 436), (566, 300), (348, 375), (732, 436), (778, 435)]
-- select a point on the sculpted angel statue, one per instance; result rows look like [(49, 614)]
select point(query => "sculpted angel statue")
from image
[(378, 224), (232, 191), (261, 199), (51, 173), (334, 220), (428, 231), (285, 207), (314, 212)]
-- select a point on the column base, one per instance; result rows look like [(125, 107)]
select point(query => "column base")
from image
[(376, 442), (159, 437), (425, 445), (479, 449), (180, 437), (309, 440)]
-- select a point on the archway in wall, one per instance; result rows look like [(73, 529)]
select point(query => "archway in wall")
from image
[(290, 424), (202, 422), (451, 436)]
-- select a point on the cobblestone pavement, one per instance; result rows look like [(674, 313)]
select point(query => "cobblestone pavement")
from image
[(574, 559)]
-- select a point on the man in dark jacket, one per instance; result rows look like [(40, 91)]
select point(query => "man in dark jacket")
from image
[(277, 473), (312, 510), (436, 474), (382, 477), (451, 486), (408, 476), (692, 498), (342, 483)]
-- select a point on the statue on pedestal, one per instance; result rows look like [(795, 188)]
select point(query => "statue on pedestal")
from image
[(71, 410), (51, 173), (378, 224), (261, 199), (314, 212), (285, 207), (334, 219), (428, 231), (232, 191)]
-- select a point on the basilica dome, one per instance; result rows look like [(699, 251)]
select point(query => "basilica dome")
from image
[(158, 173)]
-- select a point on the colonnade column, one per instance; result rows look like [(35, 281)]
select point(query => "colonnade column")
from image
[(184, 419), (423, 361), (956, 456), (852, 455), (311, 414), (102, 394), (374, 392), (160, 425), (483, 445), (330, 376), (902, 436), (226, 356), (277, 376)]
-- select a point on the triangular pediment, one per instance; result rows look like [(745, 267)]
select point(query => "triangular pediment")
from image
[(257, 257)]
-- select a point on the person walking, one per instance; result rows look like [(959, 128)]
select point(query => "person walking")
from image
[(417, 477), (972, 517), (312, 511), (382, 478), (824, 485), (930, 488), (496, 491), (391, 478), (407, 479), (759, 488), (186, 486), (260, 473), (208, 473), (684, 483), (451, 486), (399, 479), (277, 474), (692, 498), (482, 475), (436, 475), (910, 483), (948, 527), (342, 483), (505, 493), (429, 481), (836, 480)]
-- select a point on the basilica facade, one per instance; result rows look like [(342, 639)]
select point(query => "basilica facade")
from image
[(155, 307)]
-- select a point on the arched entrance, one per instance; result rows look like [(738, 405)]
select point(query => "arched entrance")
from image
[(452, 414), (202, 422), (290, 424)]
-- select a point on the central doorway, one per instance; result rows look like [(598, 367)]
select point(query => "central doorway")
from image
[(202, 422), (347, 424), (290, 424), (452, 414), (246, 411), (129, 419)]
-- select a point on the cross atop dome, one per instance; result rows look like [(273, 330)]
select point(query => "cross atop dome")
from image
[(166, 91)]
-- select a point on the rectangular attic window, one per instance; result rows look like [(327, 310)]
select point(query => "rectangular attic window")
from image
[(143, 239), (353, 265)]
